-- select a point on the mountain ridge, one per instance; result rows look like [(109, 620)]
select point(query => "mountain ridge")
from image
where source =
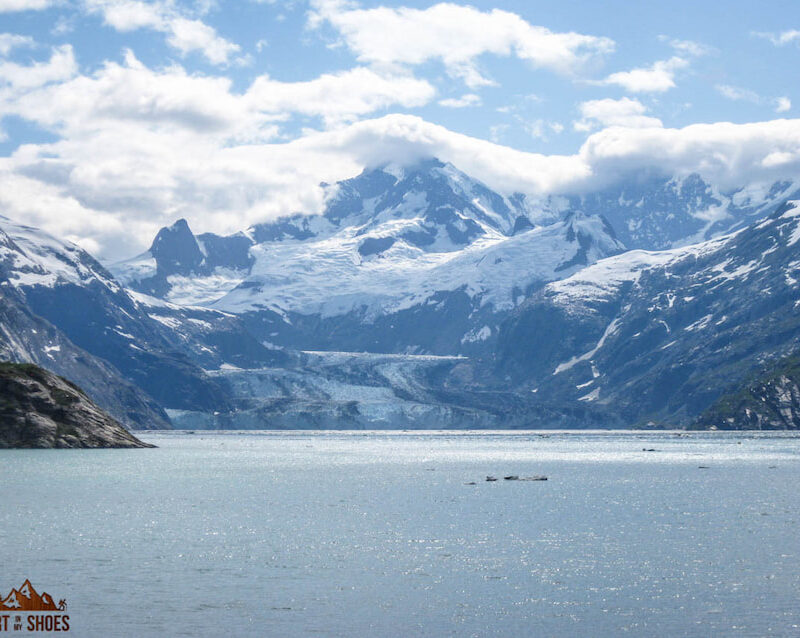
[(419, 298)]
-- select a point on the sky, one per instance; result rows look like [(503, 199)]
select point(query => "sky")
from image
[(120, 116)]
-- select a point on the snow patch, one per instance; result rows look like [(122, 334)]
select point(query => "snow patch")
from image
[(477, 335), (610, 330)]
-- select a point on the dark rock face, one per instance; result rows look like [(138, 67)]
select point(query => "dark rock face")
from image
[(41, 410), (26, 338), (521, 224), (292, 227), (175, 249), (769, 401), (109, 325), (375, 245)]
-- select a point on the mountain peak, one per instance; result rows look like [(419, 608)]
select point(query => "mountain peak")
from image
[(175, 248), (402, 170), (443, 207)]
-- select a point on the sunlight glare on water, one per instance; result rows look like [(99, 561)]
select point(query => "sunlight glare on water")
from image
[(379, 534)]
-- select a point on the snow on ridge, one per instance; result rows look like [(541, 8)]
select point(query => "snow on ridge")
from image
[(152, 304), (135, 269), (611, 328), (42, 260), (202, 291), (603, 279), (339, 280)]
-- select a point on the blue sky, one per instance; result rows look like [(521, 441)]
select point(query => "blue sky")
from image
[(120, 115)]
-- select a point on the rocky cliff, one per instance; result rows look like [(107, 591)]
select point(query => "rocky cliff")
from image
[(769, 401), (41, 410)]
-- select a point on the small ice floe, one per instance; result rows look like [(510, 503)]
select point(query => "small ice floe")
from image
[(516, 477)]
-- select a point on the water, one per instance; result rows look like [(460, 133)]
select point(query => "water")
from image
[(376, 534)]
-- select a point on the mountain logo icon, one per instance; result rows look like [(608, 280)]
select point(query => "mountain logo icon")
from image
[(26, 598)]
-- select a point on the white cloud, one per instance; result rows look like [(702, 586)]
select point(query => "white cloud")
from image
[(455, 35), (625, 112), (729, 155), (7, 6), (108, 184), (780, 39), (339, 97), (657, 78), (151, 145), (60, 66), (497, 131), (184, 34), (688, 47), (173, 101), (10, 41), (778, 158), (468, 99), (660, 76), (782, 104), (130, 94), (193, 35), (737, 94), (63, 26)]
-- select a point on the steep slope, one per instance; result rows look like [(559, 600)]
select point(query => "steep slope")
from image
[(66, 287), (662, 335), (41, 410), (26, 338), (768, 401), (211, 338)]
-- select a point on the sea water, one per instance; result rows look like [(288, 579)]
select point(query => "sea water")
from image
[(381, 534)]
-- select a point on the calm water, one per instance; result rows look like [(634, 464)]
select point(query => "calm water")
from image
[(376, 534)]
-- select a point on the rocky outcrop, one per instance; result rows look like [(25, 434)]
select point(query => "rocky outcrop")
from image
[(770, 401), (41, 410)]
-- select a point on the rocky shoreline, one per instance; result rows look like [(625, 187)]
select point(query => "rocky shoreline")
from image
[(39, 409)]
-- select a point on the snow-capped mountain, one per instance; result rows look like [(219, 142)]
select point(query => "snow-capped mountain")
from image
[(655, 213), (424, 259), (661, 335), (415, 259), (420, 298), (57, 283)]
